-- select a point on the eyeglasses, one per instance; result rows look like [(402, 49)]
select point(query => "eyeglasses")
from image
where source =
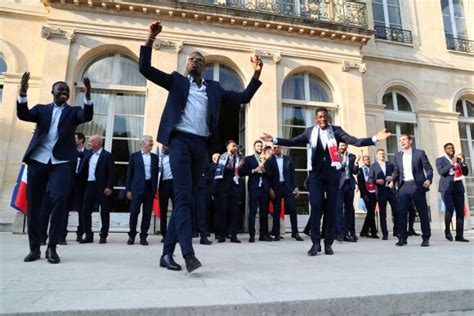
[(198, 59)]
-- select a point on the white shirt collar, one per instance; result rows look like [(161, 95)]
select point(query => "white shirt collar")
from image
[(99, 151), (191, 80)]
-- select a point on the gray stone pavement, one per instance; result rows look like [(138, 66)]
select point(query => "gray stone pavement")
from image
[(371, 277)]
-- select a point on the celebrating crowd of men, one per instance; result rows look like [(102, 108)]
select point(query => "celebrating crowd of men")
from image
[(63, 175)]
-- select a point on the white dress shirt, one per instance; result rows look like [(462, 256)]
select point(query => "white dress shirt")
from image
[(166, 168), (194, 117), (280, 167), (147, 164), (79, 159), (407, 166), (383, 167), (260, 181), (323, 137), (93, 164)]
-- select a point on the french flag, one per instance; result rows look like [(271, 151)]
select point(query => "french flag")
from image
[(19, 200), (156, 205)]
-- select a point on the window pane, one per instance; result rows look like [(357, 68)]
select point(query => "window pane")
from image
[(391, 126), (318, 90), (448, 27), (464, 146), (3, 65), (120, 174), (392, 145), (470, 109), (130, 104), (127, 73), (445, 6), (293, 116), (394, 17), (471, 127), (208, 73), (299, 157), (459, 108), (229, 80), (293, 88), (128, 126), (403, 104), (101, 99), (407, 128), (120, 201), (289, 132), (388, 101), (301, 177), (302, 204), (95, 127), (462, 131), (121, 149), (379, 18), (101, 70), (461, 31)]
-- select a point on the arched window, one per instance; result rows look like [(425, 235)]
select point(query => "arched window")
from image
[(119, 109), (465, 108), (399, 119), (3, 69), (301, 94), (229, 126)]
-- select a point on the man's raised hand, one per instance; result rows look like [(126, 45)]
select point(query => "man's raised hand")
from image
[(87, 87), (383, 134), (155, 28), (24, 83), (266, 137)]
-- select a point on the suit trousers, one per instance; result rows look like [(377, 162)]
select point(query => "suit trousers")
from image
[(258, 199), (227, 212), (201, 203), (388, 196), (454, 201), (409, 192), (56, 177), (166, 192), (93, 198), (369, 222), (345, 213), (145, 199), (188, 159), (282, 192)]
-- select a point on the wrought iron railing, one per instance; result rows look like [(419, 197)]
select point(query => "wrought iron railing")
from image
[(459, 44), (393, 34), (343, 12)]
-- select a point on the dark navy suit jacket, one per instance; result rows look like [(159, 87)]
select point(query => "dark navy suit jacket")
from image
[(420, 164), (353, 170), (226, 184), (376, 173), (321, 160), (41, 114), (250, 163), (178, 87), (271, 170), (446, 181), (135, 181), (104, 171), (361, 183)]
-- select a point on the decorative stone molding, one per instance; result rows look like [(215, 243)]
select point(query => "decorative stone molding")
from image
[(274, 56), (47, 32), (348, 65), (161, 44)]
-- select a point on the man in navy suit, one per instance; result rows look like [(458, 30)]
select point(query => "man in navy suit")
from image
[(165, 188), (381, 174), (258, 191), (227, 188), (452, 169), (49, 157), (324, 175), (141, 185), (99, 175), (189, 125), (368, 193), (282, 176), (345, 213), (410, 167)]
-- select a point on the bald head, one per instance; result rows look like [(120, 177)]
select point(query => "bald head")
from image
[(95, 142), (146, 143)]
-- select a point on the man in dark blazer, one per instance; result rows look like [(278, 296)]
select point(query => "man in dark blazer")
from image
[(381, 175), (99, 176), (227, 187), (165, 188), (49, 157), (189, 125), (409, 173), (258, 192), (367, 191), (280, 170), (141, 186), (345, 213), (324, 176), (452, 169)]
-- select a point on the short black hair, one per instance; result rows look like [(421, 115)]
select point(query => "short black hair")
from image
[(406, 135), (379, 149), (448, 144), (81, 136), (58, 82), (230, 141), (320, 109), (258, 141), (342, 142)]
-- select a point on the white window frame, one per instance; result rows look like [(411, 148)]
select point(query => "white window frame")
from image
[(385, 6), (453, 21)]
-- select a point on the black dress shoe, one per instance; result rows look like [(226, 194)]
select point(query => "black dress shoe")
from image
[(167, 261), (277, 238), (412, 232), (205, 241), (328, 250), (235, 240), (220, 239), (448, 235), (425, 243), (143, 242), (313, 251), (461, 238), (375, 236), (348, 238), (62, 242), (32, 256), (364, 234), (401, 242), (43, 243), (385, 237), (192, 263), (79, 239), (102, 240), (52, 255), (252, 239), (86, 241), (130, 241), (339, 238), (265, 238), (297, 237)]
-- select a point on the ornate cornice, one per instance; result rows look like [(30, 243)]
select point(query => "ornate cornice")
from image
[(348, 65), (48, 33), (161, 44)]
